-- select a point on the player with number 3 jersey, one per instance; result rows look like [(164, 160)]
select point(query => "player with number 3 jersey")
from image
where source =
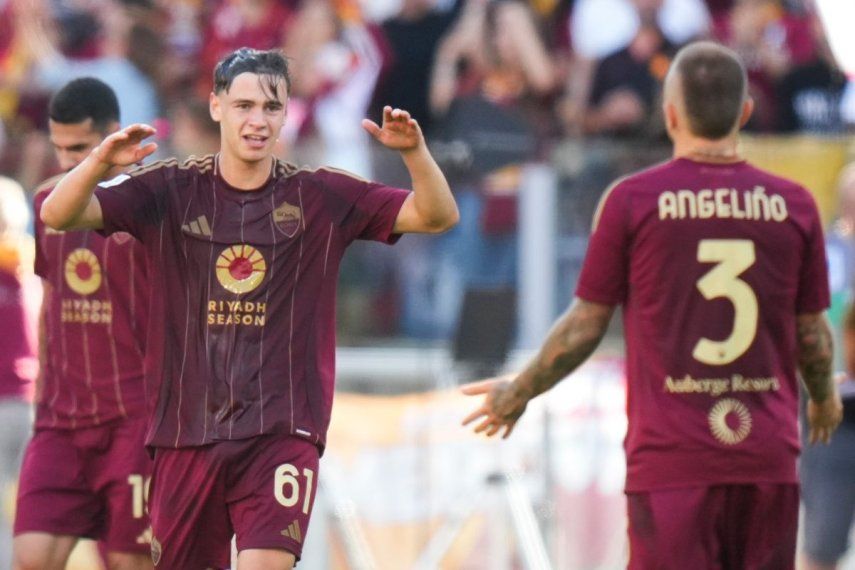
[(720, 269)]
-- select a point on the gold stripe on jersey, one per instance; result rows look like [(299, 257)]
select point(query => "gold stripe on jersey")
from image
[(203, 164), (335, 171), (283, 168), (48, 184), (602, 204)]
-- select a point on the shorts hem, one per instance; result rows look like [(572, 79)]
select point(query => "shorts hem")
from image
[(55, 531)]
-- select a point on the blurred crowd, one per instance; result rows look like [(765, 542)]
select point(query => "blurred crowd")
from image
[(542, 68), (494, 84)]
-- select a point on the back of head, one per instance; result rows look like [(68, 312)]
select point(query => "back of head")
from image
[(85, 98), (713, 86), (270, 63)]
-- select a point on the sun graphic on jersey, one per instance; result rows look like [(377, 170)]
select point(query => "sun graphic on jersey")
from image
[(730, 421), (83, 272), (240, 268)]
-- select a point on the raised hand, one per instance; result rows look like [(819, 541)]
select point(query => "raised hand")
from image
[(125, 147), (502, 406), (399, 130)]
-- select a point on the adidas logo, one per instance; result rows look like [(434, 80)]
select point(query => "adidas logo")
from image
[(293, 532), (199, 227)]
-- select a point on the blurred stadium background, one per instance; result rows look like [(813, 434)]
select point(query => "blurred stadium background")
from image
[(532, 107)]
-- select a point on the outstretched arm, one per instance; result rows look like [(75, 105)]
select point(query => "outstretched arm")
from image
[(431, 207), (71, 205), (570, 342), (825, 410)]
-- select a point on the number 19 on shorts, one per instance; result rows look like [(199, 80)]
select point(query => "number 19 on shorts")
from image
[(287, 487)]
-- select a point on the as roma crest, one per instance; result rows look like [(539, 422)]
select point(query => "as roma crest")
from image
[(288, 218)]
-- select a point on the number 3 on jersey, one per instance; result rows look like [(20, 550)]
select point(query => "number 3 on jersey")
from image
[(732, 258), (286, 486)]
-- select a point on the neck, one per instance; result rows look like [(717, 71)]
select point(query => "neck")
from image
[(704, 150), (244, 175)]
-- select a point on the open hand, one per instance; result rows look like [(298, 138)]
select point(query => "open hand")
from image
[(125, 147), (823, 418), (502, 406), (399, 130)]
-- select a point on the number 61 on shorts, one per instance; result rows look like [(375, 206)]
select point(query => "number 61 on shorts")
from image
[(287, 488)]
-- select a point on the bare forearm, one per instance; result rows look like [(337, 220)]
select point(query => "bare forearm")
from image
[(431, 194), (71, 204), (570, 342), (815, 355)]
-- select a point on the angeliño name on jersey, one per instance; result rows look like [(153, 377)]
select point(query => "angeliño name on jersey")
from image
[(723, 203)]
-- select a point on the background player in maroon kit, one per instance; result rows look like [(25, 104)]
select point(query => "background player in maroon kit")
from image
[(721, 271), (85, 469), (245, 251)]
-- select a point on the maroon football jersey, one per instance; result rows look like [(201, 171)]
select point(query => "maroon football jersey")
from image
[(712, 263), (95, 313), (242, 324)]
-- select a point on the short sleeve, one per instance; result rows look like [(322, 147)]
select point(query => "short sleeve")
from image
[(135, 202), (40, 264), (813, 295), (604, 274), (366, 210)]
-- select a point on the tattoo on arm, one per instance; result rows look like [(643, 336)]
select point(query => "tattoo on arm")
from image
[(815, 352), (570, 342)]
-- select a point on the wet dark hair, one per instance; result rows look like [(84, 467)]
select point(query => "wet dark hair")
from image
[(714, 87), (85, 98), (270, 63)]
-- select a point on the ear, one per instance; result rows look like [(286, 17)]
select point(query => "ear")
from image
[(214, 107), (747, 109), (671, 116)]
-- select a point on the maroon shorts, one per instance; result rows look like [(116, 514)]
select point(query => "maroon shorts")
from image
[(87, 482), (261, 489), (724, 527)]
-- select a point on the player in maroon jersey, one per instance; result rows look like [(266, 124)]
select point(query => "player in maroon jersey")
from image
[(245, 251), (85, 470), (721, 271)]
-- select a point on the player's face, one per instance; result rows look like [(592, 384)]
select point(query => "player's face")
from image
[(250, 116), (72, 142)]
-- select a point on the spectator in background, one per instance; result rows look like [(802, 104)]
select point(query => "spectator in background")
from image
[(828, 485), (18, 363), (336, 61), (412, 37), (627, 85), (602, 28), (493, 82), (232, 24), (771, 40), (810, 93)]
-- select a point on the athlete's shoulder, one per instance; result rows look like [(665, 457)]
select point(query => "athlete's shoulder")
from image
[(776, 183), (327, 174), (193, 164), (48, 185)]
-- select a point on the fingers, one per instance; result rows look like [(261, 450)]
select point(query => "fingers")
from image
[(146, 151), (482, 411), (477, 388), (138, 131), (372, 127), (397, 115)]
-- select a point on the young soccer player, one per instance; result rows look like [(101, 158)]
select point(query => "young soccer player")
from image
[(85, 470), (244, 251), (721, 271)]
